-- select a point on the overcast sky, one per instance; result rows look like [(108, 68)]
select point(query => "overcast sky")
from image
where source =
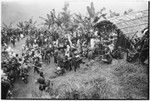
[(18, 10)]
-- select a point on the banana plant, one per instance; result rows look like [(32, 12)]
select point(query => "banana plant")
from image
[(78, 18), (91, 10), (27, 25), (51, 19), (93, 14), (65, 15), (47, 20)]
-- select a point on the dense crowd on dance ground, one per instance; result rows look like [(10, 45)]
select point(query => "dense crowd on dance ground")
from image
[(69, 47)]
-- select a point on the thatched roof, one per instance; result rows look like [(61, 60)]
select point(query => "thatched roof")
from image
[(132, 23)]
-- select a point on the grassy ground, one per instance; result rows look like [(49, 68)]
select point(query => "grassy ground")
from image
[(120, 80)]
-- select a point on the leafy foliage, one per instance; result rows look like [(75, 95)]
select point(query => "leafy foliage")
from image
[(26, 25)]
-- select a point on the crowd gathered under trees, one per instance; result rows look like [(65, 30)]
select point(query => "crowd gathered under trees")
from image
[(69, 39)]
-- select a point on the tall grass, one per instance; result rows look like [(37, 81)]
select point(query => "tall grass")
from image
[(134, 81), (116, 81)]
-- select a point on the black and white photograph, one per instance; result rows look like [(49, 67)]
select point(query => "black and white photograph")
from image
[(75, 49)]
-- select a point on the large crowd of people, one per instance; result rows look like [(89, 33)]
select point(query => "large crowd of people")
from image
[(68, 48)]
